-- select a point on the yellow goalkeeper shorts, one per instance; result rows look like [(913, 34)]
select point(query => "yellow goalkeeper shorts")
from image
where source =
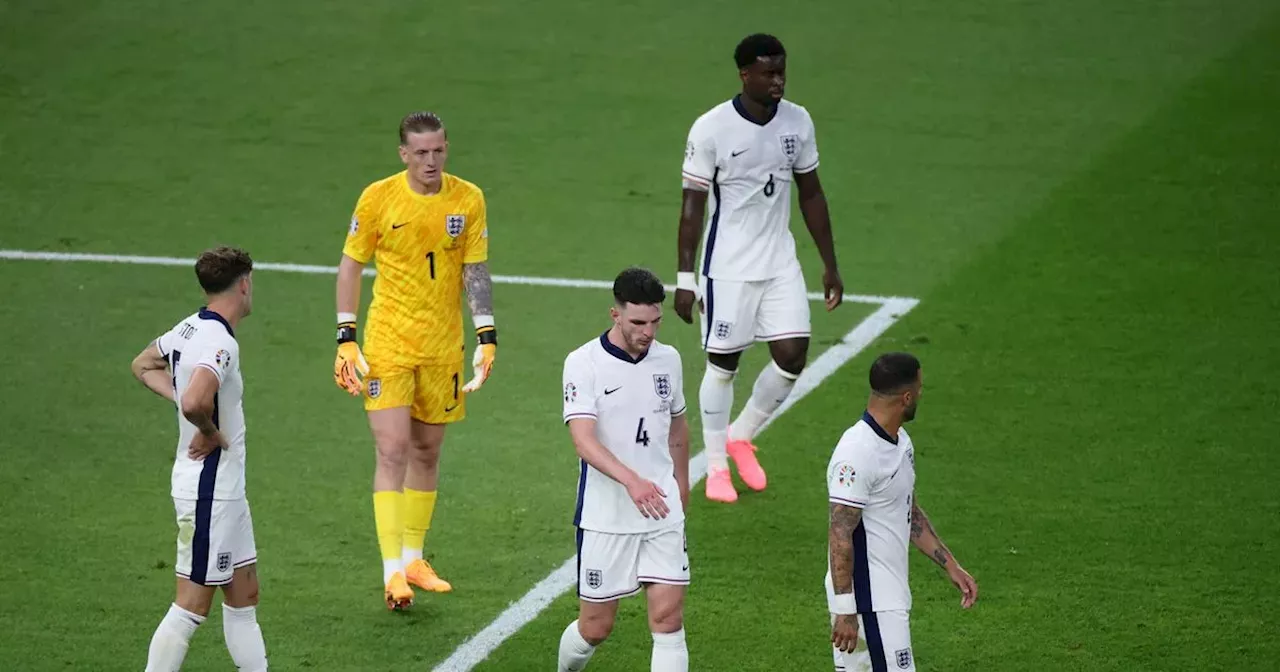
[(432, 391)]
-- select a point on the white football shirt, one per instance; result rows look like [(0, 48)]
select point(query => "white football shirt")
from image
[(748, 168), (875, 472), (205, 340), (632, 402)]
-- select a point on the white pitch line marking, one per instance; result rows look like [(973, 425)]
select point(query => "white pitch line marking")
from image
[(521, 612), (67, 257)]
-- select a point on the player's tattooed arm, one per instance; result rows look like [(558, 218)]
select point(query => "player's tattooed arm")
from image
[(844, 520), (479, 286), (150, 367), (927, 540)]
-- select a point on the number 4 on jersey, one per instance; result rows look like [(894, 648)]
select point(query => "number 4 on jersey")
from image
[(642, 437)]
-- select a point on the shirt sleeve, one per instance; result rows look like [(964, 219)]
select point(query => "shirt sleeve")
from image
[(221, 358), (807, 161), (362, 236), (164, 343), (700, 154), (849, 478), (477, 231), (579, 388)]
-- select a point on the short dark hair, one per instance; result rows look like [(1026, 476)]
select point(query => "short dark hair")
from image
[(893, 372), (759, 45), (220, 267), (419, 122), (639, 286)]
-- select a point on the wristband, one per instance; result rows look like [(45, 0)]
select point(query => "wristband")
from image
[(344, 318), (687, 280), (843, 604), (346, 332), (486, 333)]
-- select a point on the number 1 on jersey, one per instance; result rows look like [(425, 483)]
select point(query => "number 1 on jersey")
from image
[(431, 263), (642, 437)]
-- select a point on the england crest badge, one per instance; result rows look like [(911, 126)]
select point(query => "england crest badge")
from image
[(662, 385), (453, 225)]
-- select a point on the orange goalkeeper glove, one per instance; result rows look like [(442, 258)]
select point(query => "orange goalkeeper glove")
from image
[(486, 352), (349, 367)]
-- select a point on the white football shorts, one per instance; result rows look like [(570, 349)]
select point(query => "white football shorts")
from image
[(215, 537), (613, 566), (884, 644), (736, 314)]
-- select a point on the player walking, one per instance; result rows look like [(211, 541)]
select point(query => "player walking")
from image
[(874, 512), (196, 366), (429, 234), (745, 152), (624, 404)]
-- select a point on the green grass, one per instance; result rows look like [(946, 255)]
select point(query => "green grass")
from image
[(1084, 196)]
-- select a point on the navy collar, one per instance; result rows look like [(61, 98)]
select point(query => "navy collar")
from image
[(875, 427), (619, 352), (206, 314), (742, 112)]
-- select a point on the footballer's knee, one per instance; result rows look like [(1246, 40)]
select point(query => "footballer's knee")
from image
[(243, 590), (194, 597), (667, 620), (790, 355), (426, 454), (727, 363), (595, 628), (393, 449)]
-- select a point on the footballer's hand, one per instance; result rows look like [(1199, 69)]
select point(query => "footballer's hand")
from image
[(684, 305), (648, 497), (844, 634), (349, 368), (833, 288), (965, 584), (482, 362), (202, 445)]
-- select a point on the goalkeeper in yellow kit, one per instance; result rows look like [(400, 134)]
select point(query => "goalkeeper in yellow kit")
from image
[(427, 231)]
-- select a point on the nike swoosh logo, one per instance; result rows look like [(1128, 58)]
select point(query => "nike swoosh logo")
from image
[(396, 226), (741, 151), (685, 568), (613, 390), (450, 408)]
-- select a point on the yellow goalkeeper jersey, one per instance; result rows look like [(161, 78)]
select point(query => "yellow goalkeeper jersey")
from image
[(419, 245)]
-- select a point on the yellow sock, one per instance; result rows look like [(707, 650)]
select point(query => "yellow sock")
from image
[(388, 516), (419, 506)]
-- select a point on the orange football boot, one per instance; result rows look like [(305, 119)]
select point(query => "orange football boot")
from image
[(420, 574), (399, 594)]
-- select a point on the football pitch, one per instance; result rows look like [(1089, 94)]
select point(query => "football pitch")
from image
[(1069, 211)]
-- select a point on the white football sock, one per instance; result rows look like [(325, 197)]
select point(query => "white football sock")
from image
[(574, 650), (670, 654), (771, 388), (169, 643), (244, 638), (715, 398), (408, 555), (390, 567)]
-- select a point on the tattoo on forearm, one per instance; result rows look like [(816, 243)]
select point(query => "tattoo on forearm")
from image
[(922, 532), (844, 520), (479, 286)]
